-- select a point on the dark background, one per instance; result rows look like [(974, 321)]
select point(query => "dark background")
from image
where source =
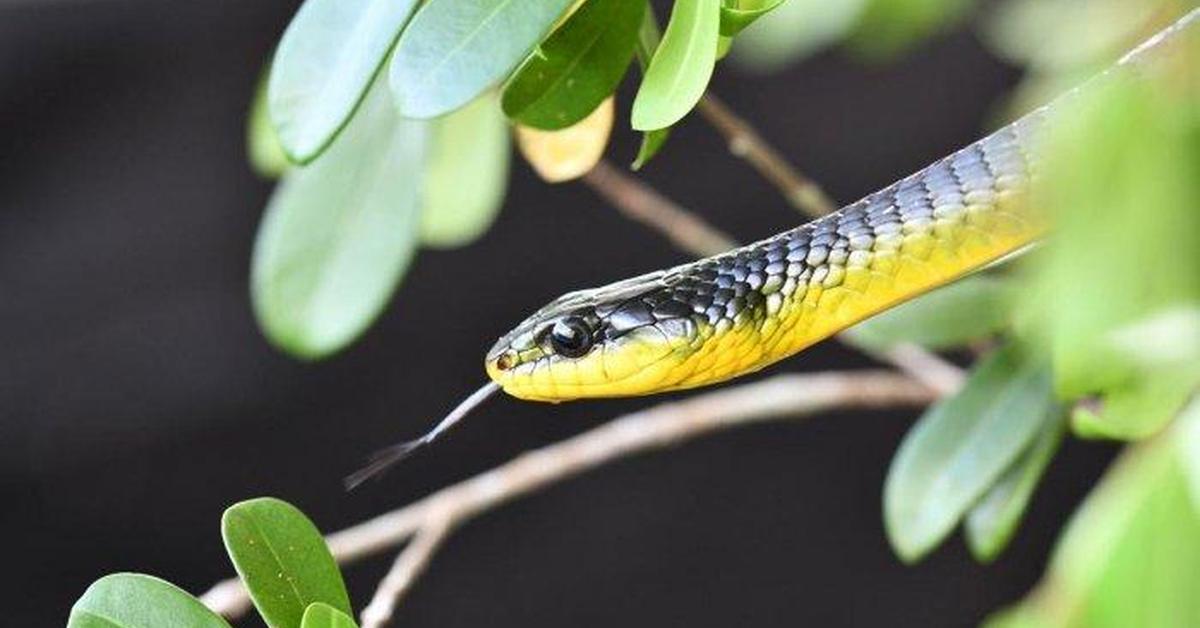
[(137, 399)]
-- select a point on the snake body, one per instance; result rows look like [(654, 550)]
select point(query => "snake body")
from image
[(735, 313)]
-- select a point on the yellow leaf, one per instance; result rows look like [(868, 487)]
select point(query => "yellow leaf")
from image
[(568, 153)]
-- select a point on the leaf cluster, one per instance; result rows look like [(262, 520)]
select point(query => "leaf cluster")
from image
[(279, 555)]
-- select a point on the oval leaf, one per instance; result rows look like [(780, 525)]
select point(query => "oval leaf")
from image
[(738, 14), (130, 600), (337, 235), (950, 316), (577, 67), (991, 523), (960, 447), (1128, 556), (321, 615), (455, 49), (559, 156), (466, 174), (325, 62), (681, 67), (282, 559)]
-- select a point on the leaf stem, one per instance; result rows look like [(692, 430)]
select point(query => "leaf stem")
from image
[(746, 143)]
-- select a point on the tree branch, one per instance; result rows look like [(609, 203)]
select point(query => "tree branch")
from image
[(428, 520), (745, 143), (409, 565), (642, 203)]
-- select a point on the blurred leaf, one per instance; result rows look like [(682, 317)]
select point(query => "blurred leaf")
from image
[(1166, 339), (456, 49), (466, 174), (325, 62), (890, 27), (970, 309), (262, 144), (724, 44), (1131, 554), (681, 67), (282, 560), (960, 447), (1068, 35), (647, 44), (321, 615), (1138, 409), (130, 600), (577, 67), (559, 156), (1188, 427), (738, 14), (1120, 173), (795, 30), (994, 519), (338, 234)]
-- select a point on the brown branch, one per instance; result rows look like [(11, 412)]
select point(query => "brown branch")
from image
[(409, 565), (745, 143), (779, 397), (642, 203)]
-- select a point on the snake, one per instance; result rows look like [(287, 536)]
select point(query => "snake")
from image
[(729, 315), (738, 312)]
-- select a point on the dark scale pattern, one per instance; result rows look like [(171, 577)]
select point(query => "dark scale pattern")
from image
[(737, 286)]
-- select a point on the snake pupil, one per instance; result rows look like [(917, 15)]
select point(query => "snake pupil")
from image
[(571, 337)]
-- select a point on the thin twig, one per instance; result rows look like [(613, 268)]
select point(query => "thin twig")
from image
[(920, 364), (779, 397), (409, 565), (745, 143), (642, 203)]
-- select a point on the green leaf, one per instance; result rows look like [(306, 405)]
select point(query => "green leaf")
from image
[(1140, 408), (454, 50), (890, 27), (338, 235), (1064, 35), (130, 600), (738, 14), (974, 308), (652, 142), (1120, 175), (960, 447), (1130, 555), (466, 175), (325, 62), (321, 615), (282, 560), (262, 143), (994, 519), (795, 30), (577, 67), (647, 44), (724, 44), (681, 67)]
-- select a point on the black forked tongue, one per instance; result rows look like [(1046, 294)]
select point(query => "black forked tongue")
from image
[(385, 458)]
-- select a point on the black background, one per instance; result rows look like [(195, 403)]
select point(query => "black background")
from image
[(137, 399)]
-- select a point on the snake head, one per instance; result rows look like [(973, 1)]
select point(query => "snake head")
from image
[(623, 339)]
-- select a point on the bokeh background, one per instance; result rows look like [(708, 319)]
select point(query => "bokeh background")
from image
[(138, 400)]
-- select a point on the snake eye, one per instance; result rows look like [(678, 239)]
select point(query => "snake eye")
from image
[(571, 337)]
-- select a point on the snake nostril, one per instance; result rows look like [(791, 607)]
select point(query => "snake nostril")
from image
[(505, 361)]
